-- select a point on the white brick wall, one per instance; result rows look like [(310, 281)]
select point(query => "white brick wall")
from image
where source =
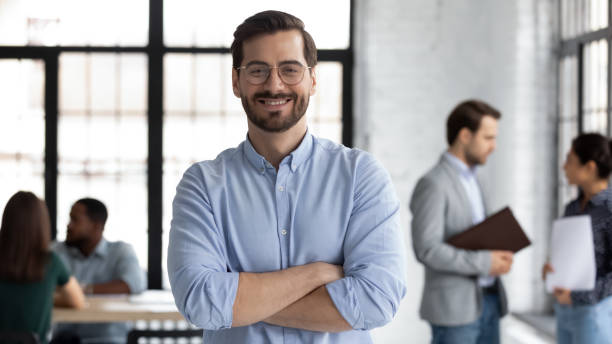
[(414, 60)]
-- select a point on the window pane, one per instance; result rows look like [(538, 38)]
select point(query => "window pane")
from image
[(22, 128), (196, 23), (74, 22), (325, 109), (568, 123), (595, 87), (102, 142), (202, 117)]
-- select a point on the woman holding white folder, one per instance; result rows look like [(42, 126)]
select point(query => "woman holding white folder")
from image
[(586, 316)]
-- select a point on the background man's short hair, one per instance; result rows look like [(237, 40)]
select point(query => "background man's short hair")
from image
[(468, 114), (96, 210), (269, 22)]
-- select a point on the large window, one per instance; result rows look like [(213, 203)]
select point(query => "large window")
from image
[(102, 141), (119, 111), (584, 77), (22, 128)]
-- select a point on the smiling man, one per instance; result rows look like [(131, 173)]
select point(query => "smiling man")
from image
[(287, 238)]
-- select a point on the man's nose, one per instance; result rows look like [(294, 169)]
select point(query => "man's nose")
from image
[(274, 82)]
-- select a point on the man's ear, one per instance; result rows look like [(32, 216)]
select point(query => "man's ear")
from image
[(465, 135), (235, 80), (313, 77)]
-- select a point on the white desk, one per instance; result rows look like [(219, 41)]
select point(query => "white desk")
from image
[(150, 305)]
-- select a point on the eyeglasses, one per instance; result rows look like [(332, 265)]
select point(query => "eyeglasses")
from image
[(290, 73)]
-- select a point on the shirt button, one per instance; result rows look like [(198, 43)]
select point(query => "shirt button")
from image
[(293, 167), (281, 188), (284, 232)]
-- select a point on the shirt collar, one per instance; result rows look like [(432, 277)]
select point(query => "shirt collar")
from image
[(294, 159), (258, 161), (601, 197), (100, 250), (459, 165)]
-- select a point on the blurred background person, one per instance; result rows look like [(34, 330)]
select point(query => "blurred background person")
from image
[(586, 316), (100, 266), (32, 278)]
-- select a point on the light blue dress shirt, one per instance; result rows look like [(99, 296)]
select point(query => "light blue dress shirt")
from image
[(469, 180), (326, 203), (109, 261)]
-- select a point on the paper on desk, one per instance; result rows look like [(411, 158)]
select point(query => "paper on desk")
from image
[(572, 255)]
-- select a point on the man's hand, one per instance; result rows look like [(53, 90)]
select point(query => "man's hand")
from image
[(261, 295), (564, 296), (546, 269), (329, 272), (501, 262)]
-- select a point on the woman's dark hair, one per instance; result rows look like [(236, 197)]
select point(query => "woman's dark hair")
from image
[(596, 148), (269, 22), (468, 114), (24, 238)]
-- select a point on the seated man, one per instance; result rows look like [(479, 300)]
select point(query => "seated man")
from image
[(100, 266)]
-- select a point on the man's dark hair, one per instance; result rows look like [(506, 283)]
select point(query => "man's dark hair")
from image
[(269, 22), (95, 210), (597, 148), (468, 114)]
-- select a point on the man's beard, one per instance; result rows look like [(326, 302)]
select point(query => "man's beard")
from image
[(272, 122), (472, 160), (75, 242)]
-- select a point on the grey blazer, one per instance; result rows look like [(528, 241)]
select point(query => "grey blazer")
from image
[(440, 209)]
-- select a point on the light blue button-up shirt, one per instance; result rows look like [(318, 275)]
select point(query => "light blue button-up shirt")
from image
[(325, 203), (109, 261), (469, 180)]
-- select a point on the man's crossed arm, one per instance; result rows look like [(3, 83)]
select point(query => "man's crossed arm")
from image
[(294, 297)]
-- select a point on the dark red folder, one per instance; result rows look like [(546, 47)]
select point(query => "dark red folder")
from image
[(500, 231)]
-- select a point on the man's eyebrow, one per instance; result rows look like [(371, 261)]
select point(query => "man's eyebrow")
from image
[(290, 62), (256, 62)]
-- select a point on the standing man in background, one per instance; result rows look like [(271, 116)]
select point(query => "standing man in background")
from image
[(463, 297), (100, 266), (287, 238)]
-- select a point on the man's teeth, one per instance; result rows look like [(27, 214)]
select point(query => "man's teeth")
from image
[(276, 102)]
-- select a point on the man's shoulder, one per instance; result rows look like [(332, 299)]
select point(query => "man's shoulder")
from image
[(435, 174), (208, 173), (217, 165), (119, 246), (336, 151)]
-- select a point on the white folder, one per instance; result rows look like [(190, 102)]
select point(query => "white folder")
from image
[(572, 254)]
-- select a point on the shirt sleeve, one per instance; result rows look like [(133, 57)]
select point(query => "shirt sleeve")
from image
[(374, 255), (203, 289), (428, 213), (128, 269), (62, 271)]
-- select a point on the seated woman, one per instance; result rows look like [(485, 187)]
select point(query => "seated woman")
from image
[(32, 278)]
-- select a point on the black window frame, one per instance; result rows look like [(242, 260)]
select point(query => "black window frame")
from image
[(574, 47), (155, 51)]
